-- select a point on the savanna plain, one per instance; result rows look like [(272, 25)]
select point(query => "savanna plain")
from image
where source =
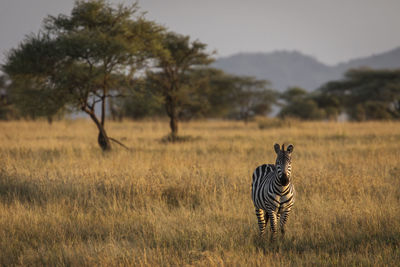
[(63, 202)]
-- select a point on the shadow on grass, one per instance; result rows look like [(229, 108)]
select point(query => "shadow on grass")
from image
[(33, 190), (26, 189), (175, 197), (350, 242)]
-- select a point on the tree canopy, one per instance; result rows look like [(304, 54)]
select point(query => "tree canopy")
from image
[(82, 59)]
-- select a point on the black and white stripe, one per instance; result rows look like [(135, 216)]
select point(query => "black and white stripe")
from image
[(273, 192)]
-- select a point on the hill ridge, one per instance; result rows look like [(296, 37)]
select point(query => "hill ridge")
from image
[(286, 68)]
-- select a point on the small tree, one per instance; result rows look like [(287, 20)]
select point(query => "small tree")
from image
[(171, 76), (83, 59)]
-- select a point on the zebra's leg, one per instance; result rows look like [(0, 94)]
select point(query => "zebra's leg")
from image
[(274, 224), (266, 218), (283, 220), (262, 222)]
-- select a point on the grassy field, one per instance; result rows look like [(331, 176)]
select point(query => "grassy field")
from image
[(64, 202)]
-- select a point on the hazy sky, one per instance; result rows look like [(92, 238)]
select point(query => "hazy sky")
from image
[(331, 30)]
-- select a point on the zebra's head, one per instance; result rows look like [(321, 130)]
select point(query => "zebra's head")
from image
[(284, 163)]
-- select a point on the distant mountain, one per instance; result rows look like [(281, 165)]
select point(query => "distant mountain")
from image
[(284, 69), (387, 60)]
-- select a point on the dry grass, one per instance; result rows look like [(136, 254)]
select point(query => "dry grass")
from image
[(64, 202)]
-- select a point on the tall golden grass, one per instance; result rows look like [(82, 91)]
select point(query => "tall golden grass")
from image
[(64, 202)]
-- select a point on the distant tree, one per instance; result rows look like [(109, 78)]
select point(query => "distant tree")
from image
[(305, 109), (208, 93), (300, 104), (367, 94), (171, 76), (211, 95), (7, 110), (216, 90), (251, 97), (330, 104), (147, 100), (143, 100), (239, 97), (82, 60), (293, 94)]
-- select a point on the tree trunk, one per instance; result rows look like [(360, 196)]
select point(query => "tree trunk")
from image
[(102, 139), (50, 119), (103, 108), (172, 114), (246, 119), (173, 123)]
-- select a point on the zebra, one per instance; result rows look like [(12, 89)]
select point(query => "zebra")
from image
[(273, 192)]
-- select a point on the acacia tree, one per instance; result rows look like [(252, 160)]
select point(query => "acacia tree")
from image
[(85, 58), (171, 74)]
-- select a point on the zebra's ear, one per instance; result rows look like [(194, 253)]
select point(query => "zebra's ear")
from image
[(290, 148), (277, 148)]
